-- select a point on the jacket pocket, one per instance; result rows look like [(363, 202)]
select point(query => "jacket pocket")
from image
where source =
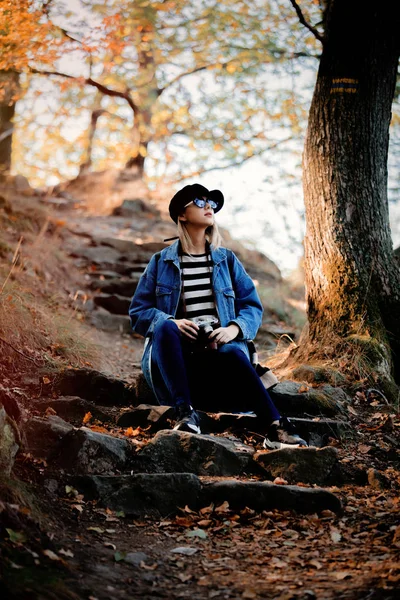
[(162, 290)]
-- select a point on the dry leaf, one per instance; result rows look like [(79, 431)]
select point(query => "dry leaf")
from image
[(342, 575), (50, 554), (224, 507), (49, 411), (87, 417), (335, 535), (204, 523), (280, 481), (130, 432), (77, 507), (66, 553), (303, 389)]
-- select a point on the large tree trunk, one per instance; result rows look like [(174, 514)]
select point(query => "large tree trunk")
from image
[(352, 278), (9, 89)]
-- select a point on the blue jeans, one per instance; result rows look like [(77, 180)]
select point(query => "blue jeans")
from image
[(222, 380)]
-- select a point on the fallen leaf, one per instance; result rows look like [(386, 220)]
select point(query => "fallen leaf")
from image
[(49, 411), (315, 563), (95, 529), (342, 575), (50, 554), (204, 523), (363, 448), (118, 556), (200, 533), (87, 417), (335, 535), (280, 481), (224, 507), (77, 507), (17, 537), (188, 550), (110, 545), (66, 553), (249, 594), (152, 567), (130, 432)]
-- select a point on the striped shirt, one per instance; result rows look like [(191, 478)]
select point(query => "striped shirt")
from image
[(198, 295)]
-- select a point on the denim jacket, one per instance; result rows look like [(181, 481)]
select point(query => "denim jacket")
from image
[(159, 289)]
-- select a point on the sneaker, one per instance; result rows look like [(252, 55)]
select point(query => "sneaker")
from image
[(283, 435), (187, 420)]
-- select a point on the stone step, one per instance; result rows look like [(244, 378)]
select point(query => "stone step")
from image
[(315, 431), (121, 286), (161, 495), (115, 304)]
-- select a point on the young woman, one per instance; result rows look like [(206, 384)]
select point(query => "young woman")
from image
[(197, 307)]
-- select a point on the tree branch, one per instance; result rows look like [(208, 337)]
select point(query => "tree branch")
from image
[(237, 163), (303, 21), (89, 81)]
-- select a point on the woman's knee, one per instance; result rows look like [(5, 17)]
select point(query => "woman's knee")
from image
[(166, 328), (232, 352)]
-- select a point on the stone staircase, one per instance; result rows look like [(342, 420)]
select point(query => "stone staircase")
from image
[(128, 458)]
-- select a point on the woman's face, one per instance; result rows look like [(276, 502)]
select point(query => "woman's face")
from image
[(199, 216)]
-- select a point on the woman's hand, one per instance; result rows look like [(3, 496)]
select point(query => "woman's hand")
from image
[(187, 328), (223, 335)]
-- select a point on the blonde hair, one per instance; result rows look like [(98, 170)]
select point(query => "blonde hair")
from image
[(212, 235)]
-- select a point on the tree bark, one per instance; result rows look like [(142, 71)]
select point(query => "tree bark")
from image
[(9, 89), (352, 279)]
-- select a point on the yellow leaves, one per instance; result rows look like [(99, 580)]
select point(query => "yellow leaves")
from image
[(231, 68)]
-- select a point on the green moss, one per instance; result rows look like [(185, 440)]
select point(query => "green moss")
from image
[(318, 374)]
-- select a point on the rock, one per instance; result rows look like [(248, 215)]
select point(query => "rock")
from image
[(123, 246), (105, 321), (72, 409), (144, 494), (219, 422), (42, 435), (317, 432), (144, 393), (121, 287), (94, 386), (146, 415), (290, 401), (117, 305), (159, 495), (10, 403), (179, 451), (305, 465), (99, 255), (83, 451), (9, 442), (132, 208), (262, 495), (135, 558)]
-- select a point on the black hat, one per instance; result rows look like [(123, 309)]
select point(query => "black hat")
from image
[(189, 193)]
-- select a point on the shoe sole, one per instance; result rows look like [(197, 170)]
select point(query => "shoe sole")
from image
[(188, 428), (280, 445)]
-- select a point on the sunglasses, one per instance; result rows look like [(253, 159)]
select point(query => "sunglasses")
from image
[(200, 203)]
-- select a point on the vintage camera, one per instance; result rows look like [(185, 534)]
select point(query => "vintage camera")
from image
[(206, 327)]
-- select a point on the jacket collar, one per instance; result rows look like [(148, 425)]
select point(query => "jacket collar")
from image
[(171, 253)]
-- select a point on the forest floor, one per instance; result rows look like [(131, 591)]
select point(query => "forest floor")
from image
[(57, 545)]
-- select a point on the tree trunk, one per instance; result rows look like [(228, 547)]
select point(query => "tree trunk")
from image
[(352, 279), (9, 89), (86, 165)]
